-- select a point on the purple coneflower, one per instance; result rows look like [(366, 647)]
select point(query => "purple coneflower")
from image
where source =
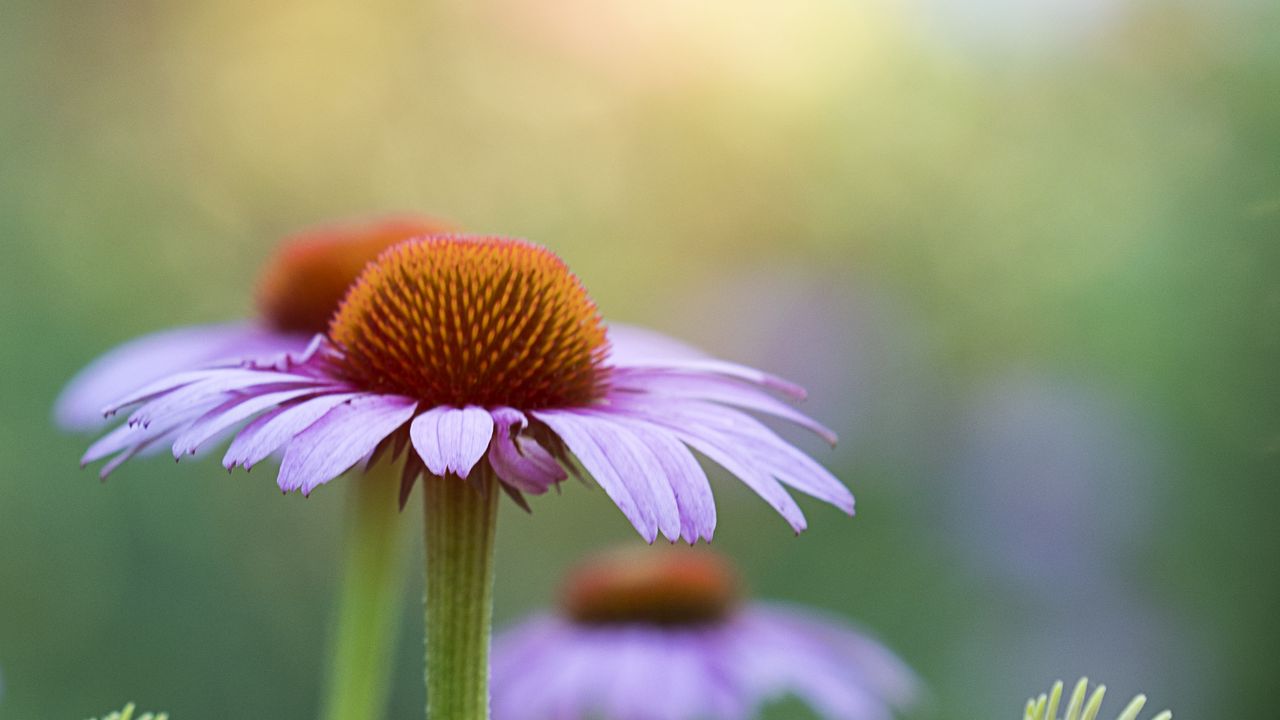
[(298, 292), (483, 359), (664, 635), (486, 354)]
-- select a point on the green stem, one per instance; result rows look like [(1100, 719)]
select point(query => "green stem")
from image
[(371, 604), (460, 521)]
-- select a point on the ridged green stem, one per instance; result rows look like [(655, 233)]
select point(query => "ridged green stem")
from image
[(460, 523), (371, 603)]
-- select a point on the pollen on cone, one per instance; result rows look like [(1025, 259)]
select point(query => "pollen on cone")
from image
[(451, 320)]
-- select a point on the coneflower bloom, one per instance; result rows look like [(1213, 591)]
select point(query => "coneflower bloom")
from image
[(663, 634), (298, 292), (1045, 707), (485, 357)]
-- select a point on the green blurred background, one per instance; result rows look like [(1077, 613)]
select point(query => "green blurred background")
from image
[(1023, 254)]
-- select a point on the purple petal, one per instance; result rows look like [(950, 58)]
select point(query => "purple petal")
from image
[(557, 677), (717, 389), (754, 441), (228, 414), (335, 442), (143, 360), (883, 672), (725, 369), (632, 345), (734, 457), (214, 382), (638, 665), (687, 480), (268, 432), (776, 455), (451, 439), (604, 454), (519, 460), (629, 450), (783, 650), (126, 436)]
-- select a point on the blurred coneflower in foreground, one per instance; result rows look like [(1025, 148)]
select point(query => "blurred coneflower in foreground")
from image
[(663, 634), (1045, 707)]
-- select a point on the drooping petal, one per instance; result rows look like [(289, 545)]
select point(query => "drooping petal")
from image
[(723, 368), (519, 460), (213, 383), (138, 436), (715, 388), (777, 456), (587, 438), (633, 345), (141, 361), (451, 439), (754, 441), (229, 413), (270, 431), (625, 443), (735, 458), (335, 442), (687, 481)]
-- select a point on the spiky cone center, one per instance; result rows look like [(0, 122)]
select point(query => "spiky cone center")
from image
[(488, 321), (652, 586), (302, 285)]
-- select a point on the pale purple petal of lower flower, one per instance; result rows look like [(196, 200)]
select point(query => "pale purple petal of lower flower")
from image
[(337, 441), (781, 651), (637, 667), (588, 440), (143, 360), (685, 679), (552, 668), (880, 669), (272, 430), (518, 460), (451, 440)]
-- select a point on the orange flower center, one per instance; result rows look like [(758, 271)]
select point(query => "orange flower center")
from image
[(652, 586), (311, 271), (485, 321)]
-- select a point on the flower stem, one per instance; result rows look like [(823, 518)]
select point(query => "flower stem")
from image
[(460, 520), (371, 603)]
